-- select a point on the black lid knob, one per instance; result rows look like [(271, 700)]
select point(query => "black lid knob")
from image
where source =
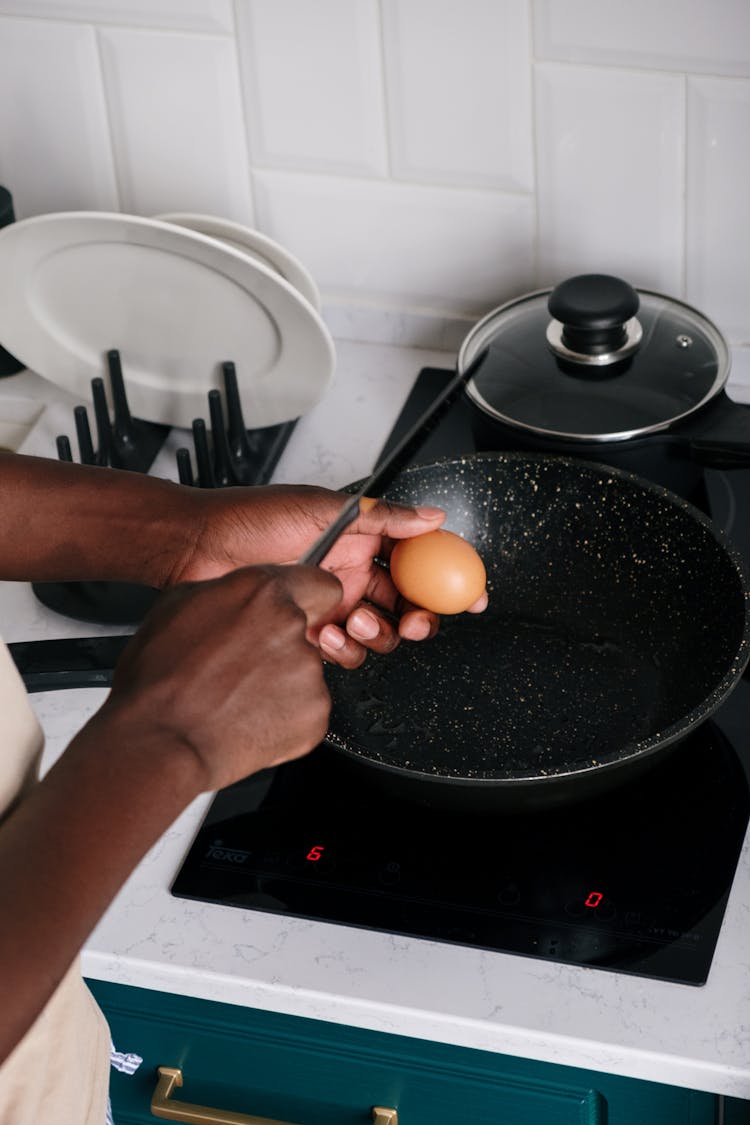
[(593, 309)]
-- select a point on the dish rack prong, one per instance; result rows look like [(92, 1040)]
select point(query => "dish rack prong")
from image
[(232, 455), (122, 442)]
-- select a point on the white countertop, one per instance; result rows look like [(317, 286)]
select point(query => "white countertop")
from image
[(677, 1034)]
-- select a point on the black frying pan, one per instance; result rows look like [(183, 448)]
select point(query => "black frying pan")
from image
[(618, 621)]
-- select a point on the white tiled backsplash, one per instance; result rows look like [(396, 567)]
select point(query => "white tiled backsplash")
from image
[(425, 159)]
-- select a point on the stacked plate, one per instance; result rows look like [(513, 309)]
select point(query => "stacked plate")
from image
[(177, 296)]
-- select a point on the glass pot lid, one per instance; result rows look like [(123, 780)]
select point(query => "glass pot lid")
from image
[(595, 360)]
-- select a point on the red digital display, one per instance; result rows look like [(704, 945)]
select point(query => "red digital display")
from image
[(315, 853), (594, 899)]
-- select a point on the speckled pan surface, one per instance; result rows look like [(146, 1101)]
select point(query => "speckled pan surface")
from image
[(618, 621)]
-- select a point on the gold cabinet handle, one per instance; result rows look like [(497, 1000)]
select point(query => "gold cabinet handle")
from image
[(163, 1105)]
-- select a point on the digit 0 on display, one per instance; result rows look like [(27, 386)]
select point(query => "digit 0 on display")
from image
[(593, 900)]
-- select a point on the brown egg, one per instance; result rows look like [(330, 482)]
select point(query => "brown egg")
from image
[(439, 571)]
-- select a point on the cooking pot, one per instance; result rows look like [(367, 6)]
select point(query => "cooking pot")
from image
[(599, 370), (618, 621)]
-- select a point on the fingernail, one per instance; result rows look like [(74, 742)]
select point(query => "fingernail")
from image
[(427, 513), (420, 629), (363, 625), (331, 638)]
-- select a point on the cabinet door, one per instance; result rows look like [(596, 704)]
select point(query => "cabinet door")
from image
[(313, 1073), (733, 1112)]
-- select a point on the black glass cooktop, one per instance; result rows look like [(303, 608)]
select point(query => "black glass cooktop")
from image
[(636, 881)]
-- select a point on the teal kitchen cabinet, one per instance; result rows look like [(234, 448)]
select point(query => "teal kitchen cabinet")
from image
[(308, 1072)]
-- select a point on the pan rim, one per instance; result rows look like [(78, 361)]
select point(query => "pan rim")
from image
[(642, 749)]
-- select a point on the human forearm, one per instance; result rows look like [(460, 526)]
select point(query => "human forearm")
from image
[(65, 852), (219, 682), (66, 522)]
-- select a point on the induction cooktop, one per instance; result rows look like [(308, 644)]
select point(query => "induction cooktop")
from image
[(635, 881)]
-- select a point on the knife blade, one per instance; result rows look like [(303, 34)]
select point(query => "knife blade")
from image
[(386, 472)]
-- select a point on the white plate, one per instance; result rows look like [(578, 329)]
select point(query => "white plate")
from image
[(258, 246), (174, 302)]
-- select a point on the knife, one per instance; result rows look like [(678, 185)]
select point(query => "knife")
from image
[(388, 470), (82, 662)]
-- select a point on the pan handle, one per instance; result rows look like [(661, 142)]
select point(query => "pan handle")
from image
[(719, 436), (720, 454), (73, 662)]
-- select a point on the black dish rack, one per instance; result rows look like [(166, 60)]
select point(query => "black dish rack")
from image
[(225, 455)]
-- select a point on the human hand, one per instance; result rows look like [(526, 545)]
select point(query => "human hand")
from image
[(141, 529), (278, 523), (227, 668)]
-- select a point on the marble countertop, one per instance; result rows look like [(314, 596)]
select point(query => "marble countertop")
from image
[(682, 1035)]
